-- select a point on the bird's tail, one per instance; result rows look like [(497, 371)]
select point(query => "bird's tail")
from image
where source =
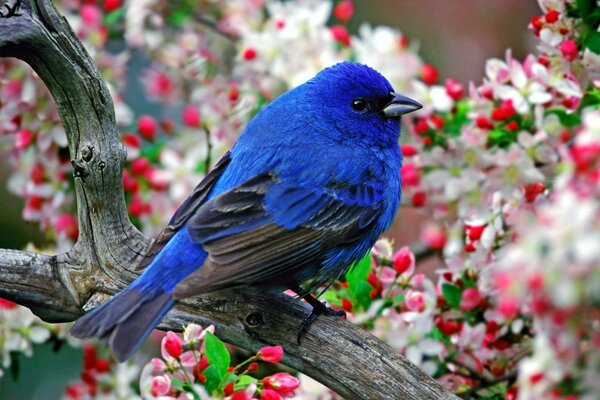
[(126, 320)]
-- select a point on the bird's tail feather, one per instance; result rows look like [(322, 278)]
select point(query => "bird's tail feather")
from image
[(126, 320)]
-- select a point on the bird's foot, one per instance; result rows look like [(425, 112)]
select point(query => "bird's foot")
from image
[(318, 308)]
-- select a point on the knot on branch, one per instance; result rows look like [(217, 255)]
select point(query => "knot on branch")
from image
[(254, 320), (82, 165)]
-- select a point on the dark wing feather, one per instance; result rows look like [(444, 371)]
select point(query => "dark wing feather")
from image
[(247, 247), (185, 211)]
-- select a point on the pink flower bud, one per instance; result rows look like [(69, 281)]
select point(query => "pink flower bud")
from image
[(270, 354), (403, 260), (249, 54), (410, 175), (8, 305), (269, 394), (470, 299), (569, 50), (419, 199), (241, 395), (474, 231), (408, 150), (508, 307), (533, 190), (102, 365), (147, 127), (281, 382), (23, 138), (344, 10), (132, 140), (89, 356), (139, 166), (341, 35), (429, 74), (191, 116), (90, 15), (252, 367), (172, 345), (37, 174), (551, 16), (111, 5), (434, 237), (454, 89)]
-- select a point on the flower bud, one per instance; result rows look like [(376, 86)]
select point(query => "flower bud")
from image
[(270, 354)]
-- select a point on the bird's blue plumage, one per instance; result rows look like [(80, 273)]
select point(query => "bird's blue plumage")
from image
[(306, 191)]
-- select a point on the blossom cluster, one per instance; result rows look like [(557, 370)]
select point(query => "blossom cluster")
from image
[(103, 378), (20, 330), (197, 365), (506, 173)]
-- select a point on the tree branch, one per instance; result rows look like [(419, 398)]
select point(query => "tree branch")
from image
[(60, 287)]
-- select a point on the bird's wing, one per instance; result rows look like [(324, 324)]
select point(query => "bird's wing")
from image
[(185, 211), (253, 237)]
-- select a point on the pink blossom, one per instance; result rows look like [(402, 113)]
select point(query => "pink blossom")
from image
[(470, 299), (415, 301), (161, 385), (282, 383)]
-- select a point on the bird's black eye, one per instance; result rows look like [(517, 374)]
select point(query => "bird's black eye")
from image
[(359, 105)]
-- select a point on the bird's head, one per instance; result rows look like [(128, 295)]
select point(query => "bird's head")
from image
[(356, 102)]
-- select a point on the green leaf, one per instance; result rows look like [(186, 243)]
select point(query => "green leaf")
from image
[(592, 42), (243, 382), (217, 354), (566, 119), (114, 16), (176, 383), (177, 18), (584, 6), (452, 294), (213, 379), (468, 282), (151, 151), (357, 281)]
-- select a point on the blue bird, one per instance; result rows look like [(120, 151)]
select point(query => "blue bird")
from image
[(311, 183)]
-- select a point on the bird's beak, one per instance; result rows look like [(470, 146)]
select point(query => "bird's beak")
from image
[(400, 105)]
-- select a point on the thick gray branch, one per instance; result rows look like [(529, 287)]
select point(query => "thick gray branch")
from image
[(58, 288)]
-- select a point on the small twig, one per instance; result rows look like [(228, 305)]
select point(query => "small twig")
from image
[(211, 24), (420, 251), (484, 381), (472, 373), (483, 385), (209, 147)]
